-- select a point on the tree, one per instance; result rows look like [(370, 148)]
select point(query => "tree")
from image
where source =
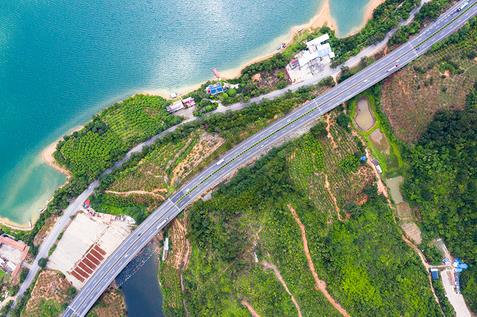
[(343, 121), (42, 262), (319, 130)]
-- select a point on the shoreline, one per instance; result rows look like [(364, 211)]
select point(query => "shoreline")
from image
[(321, 18), (368, 15), (16, 226)]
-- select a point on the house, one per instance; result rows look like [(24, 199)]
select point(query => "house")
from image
[(231, 86), (176, 106), (434, 274), (310, 61), (214, 89), (12, 255), (189, 102), (378, 168)]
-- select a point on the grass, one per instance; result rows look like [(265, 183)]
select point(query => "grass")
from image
[(390, 160)]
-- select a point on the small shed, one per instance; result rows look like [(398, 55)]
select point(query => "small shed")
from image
[(189, 102), (434, 274)]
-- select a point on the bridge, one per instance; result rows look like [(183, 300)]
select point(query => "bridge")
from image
[(448, 23)]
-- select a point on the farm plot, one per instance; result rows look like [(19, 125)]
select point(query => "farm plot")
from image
[(146, 184), (331, 177), (109, 135), (440, 80)]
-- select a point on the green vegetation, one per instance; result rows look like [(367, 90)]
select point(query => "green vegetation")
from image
[(48, 308), (442, 181), (112, 133), (368, 268), (42, 262), (380, 139), (189, 146), (429, 11)]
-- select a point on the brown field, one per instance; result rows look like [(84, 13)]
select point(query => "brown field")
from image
[(111, 304), (50, 285), (437, 81), (162, 170)]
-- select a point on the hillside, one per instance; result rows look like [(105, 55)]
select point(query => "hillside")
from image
[(303, 231)]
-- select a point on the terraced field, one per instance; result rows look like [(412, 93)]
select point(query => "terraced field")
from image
[(113, 132), (144, 185)]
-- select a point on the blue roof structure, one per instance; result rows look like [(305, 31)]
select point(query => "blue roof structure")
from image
[(215, 89), (434, 274)]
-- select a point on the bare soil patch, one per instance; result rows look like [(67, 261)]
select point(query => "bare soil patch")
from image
[(364, 118), (328, 130), (380, 141), (50, 285), (411, 97), (45, 230), (111, 304), (252, 311), (207, 144), (412, 231)]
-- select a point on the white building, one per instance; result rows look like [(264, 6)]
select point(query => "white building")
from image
[(176, 106), (311, 61)]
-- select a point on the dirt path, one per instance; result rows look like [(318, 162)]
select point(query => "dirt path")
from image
[(250, 308), (154, 193), (328, 130), (333, 198), (319, 284), (379, 183), (279, 277)]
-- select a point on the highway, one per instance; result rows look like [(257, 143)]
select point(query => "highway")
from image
[(448, 23)]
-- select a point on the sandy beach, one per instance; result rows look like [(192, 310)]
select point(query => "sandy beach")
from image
[(15, 226), (47, 157)]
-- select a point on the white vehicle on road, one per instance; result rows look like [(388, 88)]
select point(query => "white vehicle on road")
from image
[(219, 162), (462, 6)]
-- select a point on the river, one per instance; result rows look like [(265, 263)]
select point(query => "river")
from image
[(141, 291)]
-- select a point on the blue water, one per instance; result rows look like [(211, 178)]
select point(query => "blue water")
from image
[(141, 290), (61, 61)]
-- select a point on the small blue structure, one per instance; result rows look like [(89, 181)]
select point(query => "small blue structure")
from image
[(363, 159), (459, 266), (215, 89), (434, 274)]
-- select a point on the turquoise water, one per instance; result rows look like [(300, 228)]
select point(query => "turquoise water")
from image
[(349, 14), (61, 61)]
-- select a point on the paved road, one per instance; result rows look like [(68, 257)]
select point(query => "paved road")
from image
[(72, 209), (447, 24)]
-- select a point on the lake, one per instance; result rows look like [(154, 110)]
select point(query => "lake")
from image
[(62, 61)]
